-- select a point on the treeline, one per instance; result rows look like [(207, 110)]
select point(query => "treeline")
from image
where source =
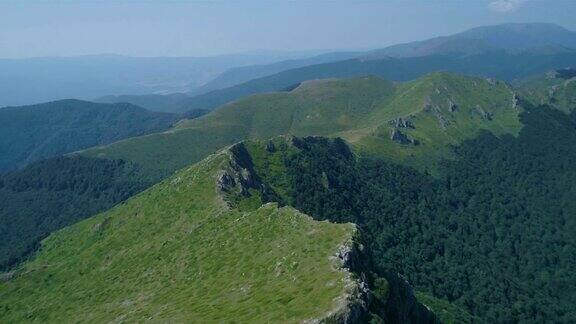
[(495, 233)]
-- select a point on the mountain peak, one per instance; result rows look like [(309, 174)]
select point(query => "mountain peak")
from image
[(509, 37)]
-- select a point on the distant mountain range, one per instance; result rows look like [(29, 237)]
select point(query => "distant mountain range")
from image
[(509, 37), (34, 80), (506, 52)]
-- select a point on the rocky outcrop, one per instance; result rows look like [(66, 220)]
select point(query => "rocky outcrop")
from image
[(270, 148), (397, 136), (239, 176), (354, 305), (5, 276), (402, 305), (452, 107), (515, 100), (484, 114), (401, 123), (429, 107)]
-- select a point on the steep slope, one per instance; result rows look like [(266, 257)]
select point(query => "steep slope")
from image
[(30, 133), (510, 37), (180, 252)]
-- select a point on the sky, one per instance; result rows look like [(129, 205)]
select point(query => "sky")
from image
[(204, 28)]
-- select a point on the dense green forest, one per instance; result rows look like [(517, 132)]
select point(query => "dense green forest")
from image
[(493, 233), (35, 132), (57, 192)]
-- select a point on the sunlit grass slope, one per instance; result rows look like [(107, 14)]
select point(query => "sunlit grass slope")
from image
[(178, 253), (556, 89), (444, 109)]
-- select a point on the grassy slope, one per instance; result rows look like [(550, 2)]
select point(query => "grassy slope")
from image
[(176, 253), (359, 110), (555, 91), (434, 140)]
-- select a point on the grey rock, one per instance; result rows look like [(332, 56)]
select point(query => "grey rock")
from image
[(484, 114), (452, 107), (270, 148), (401, 123), (225, 181), (397, 136)]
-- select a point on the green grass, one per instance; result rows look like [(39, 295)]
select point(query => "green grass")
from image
[(358, 110), (547, 89), (177, 253)]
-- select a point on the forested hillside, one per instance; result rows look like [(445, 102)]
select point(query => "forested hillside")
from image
[(31, 133), (55, 193), (493, 233)]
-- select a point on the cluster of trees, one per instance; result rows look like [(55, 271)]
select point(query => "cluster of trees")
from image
[(494, 233), (57, 192)]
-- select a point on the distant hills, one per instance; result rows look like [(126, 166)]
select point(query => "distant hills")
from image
[(510, 37), (483, 51), (239, 75), (40, 131), (500, 65), (34, 80), (177, 102)]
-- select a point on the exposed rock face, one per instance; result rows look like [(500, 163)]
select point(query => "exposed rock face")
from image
[(402, 306), (354, 307), (401, 123), (452, 107), (397, 136), (484, 114), (225, 181), (429, 107), (239, 177), (270, 148), (7, 276), (515, 100)]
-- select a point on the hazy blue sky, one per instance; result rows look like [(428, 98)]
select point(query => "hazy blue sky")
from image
[(198, 28)]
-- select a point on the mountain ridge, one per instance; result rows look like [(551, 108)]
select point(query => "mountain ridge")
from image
[(31, 133)]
